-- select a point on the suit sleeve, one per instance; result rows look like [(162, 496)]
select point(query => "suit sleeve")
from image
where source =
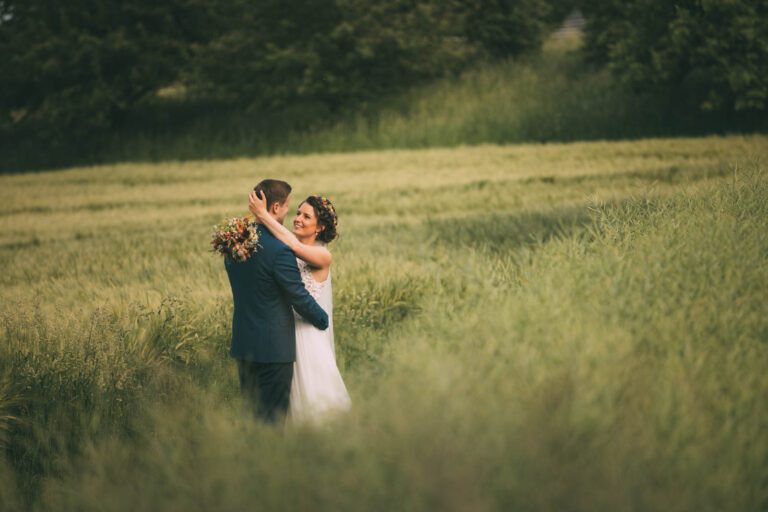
[(287, 276)]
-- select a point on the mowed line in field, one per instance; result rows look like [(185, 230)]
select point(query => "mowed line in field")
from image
[(369, 187)]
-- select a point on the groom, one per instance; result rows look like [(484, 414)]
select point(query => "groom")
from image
[(264, 288)]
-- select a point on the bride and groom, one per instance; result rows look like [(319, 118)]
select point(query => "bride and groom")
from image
[(282, 325)]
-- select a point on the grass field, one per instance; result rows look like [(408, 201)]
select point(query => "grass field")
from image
[(536, 327)]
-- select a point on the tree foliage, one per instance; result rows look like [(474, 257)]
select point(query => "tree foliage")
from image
[(345, 51), (72, 67), (77, 63), (77, 68), (713, 52), (506, 27)]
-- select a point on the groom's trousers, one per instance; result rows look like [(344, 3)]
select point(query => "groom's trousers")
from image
[(267, 386)]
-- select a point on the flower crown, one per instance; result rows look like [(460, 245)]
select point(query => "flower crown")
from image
[(328, 205)]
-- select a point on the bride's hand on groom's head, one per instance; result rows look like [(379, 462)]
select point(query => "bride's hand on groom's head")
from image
[(257, 204)]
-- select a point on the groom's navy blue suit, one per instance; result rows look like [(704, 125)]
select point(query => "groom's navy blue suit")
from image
[(264, 288)]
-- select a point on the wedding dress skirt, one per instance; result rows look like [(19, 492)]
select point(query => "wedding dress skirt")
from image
[(317, 389)]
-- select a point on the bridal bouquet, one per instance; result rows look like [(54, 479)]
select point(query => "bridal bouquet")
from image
[(236, 238)]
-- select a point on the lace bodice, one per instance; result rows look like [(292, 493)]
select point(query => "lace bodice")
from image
[(314, 287)]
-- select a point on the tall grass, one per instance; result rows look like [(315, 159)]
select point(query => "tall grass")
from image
[(595, 343)]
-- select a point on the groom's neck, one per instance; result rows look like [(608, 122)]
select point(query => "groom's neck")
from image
[(278, 220)]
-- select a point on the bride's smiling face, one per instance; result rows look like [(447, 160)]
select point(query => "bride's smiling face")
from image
[(305, 222)]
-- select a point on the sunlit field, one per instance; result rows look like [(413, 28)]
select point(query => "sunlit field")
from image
[(535, 327)]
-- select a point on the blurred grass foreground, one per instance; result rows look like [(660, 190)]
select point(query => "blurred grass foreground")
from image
[(597, 342)]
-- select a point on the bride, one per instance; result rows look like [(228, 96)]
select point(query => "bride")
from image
[(317, 388)]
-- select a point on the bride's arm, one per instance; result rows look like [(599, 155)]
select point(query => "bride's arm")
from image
[(316, 255)]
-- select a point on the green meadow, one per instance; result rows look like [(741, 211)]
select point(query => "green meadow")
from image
[(570, 326)]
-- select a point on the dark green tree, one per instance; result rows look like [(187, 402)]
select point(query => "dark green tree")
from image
[(78, 69), (337, 53), (329, 52), (559, 10), (507, 27), (712, 53), (264, 57), (71, 68)]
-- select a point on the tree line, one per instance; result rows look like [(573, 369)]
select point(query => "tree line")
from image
[(712, 54), (74, 67), (72, 70)]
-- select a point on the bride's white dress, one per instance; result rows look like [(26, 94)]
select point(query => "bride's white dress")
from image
[(317, 388)]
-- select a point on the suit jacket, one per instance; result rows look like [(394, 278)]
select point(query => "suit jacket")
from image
[(264, 288)]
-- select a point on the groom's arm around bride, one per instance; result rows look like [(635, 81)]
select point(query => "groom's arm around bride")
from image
[(288, 278)]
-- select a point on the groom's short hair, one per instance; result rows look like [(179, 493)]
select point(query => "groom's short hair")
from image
[(276, 191)]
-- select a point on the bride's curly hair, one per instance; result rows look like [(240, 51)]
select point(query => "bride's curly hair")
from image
[(326, 217)]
